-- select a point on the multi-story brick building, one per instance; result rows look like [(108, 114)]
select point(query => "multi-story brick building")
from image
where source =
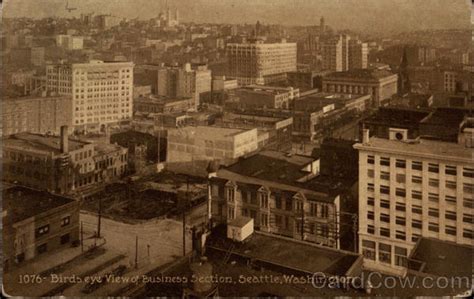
[(275, 190), (267, 96), (260, 63), (412, 188), (102, 92), (36, 222), (60, 164), (35, 114)]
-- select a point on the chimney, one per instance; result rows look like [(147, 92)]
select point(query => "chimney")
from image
[(64, 140), (365, 136)]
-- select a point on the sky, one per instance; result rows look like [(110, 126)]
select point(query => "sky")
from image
[(360, 15)]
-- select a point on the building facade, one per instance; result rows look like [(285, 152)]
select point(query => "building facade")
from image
[(36, 114), (267, 97), (260, 63), (102, 92), (409, 190), (36, 222)]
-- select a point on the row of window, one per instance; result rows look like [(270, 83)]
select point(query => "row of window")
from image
[(385, 253), (417, 224), (416, 165), (433, 212), (467, 188), (43, 230)]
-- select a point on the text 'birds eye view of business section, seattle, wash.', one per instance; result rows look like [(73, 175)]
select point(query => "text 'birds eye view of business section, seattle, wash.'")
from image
[(237, 148)]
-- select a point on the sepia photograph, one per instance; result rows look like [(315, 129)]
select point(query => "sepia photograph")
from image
[(237, 148)]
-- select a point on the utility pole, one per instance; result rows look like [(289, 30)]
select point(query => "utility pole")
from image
[(100, 214), (82, 237), (184, 215), (136, 252)]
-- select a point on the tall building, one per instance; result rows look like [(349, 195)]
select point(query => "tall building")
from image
[(69, 42), (342, 53), (358, 55), (404, 85), (102, 92), (29, 56), (260, 63), (184, 81), (413, 188), (331, 52)]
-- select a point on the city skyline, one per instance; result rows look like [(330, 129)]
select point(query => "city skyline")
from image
[(385, 16)]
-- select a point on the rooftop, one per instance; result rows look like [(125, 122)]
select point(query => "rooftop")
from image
[(280, 251), (29, 141), (21, 203), (208, 130), (443, 258), (361, 74), (398, 116), (428, 148)]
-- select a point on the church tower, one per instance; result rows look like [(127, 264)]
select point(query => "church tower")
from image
[(404, 85)]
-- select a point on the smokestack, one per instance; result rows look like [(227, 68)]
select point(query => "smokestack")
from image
[(365, 136), (64, 139)]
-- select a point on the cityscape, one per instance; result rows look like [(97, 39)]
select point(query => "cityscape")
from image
[(208, 148)]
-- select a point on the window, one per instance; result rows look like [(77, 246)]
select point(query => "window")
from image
[(450, 199), (370, 201), (434, 227), (298, 205), (230, 194), (400, 234), (400, 163), (384, 218), (370, 215), (416, 224), (400, 192), (65, 221), (432, 167), (370, 187), (324, 211), (450, 184), (433, 212), (415, 237), (65, 239), (433, 197), (416, 194), (451, 170), (384, 161), (416, 179), (385, 175), (401, 178), (385, 253), (468, 172), (468, 233), (468, 218), (313, 209), (416, 165), (230, 213), (468, 188), (384, 189), (370, 173), (400, 206), (433, 182), (263, 200), (416, 209), (368, 249), (385, 204), (43, 230), (468, 203), (401, 256), (288, 205), (450, 230), (400, 220), (370, 159), (278, 220), (370, 229), (42, 248), (244, 196), (450, 215), (264, 219)]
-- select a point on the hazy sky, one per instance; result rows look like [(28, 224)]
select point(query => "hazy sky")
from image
[(367, 15)]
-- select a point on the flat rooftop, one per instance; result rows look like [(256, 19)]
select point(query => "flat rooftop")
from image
[(444, 258), (432, 148), (208, 130), (280, 251), (447, 116), (369, 74), (398, 116), (21, 203), (29, 141)]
